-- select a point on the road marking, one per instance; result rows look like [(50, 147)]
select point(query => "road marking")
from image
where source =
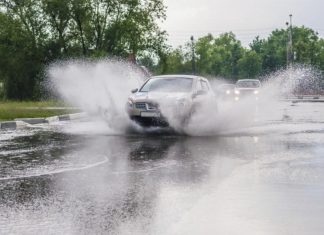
[(56, 172)]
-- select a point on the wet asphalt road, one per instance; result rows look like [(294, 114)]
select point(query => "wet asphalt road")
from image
[(263, 179)]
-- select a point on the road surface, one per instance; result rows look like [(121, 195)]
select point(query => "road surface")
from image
[(71, 178)]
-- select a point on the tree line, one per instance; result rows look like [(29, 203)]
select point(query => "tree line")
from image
[(224, 56), (35, 33)]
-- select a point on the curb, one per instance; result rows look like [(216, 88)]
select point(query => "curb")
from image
[(32, 121), (64, 117), (25, 122), (52, 119), (305, 99), (13, 125)]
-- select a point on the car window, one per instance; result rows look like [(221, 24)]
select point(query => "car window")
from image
[(177, 84), (248, 84), (204, 85), (199, 87)]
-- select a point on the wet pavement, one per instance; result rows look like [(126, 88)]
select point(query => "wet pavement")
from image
[(263, 179)]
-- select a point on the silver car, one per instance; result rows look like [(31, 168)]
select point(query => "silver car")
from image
[(167, 97), (247, 88)]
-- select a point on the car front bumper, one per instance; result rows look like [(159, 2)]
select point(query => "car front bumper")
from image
[(149, 114)]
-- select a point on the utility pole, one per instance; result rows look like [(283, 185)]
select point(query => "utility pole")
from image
[(193, 55), (290, 52)]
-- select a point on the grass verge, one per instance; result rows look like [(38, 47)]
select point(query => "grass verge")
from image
[(9, 110)]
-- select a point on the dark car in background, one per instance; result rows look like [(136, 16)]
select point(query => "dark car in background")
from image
[(225, 91)]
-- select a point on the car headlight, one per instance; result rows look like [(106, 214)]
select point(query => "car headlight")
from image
[(130, 103), (228, 92), (237, 92), (256, 92)]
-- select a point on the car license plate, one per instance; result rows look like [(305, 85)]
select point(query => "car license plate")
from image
[(150, 114)]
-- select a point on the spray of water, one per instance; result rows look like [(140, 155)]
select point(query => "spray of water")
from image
[(101, 88)]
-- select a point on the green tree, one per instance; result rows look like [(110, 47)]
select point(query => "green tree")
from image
[(204, 50), (134, 28), (174, 62), (19, 64), (250, 65), (273, 50), (305, 42), (59, 18), (320, 54), (227, 50), (34, 33)]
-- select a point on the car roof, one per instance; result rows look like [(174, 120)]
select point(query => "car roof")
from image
[(179, 76), (248, 80)]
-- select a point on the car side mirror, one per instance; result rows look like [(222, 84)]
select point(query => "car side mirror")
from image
[(134, 90)]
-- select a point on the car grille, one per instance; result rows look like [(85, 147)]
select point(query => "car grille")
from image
[(146, 106), (140, 106)]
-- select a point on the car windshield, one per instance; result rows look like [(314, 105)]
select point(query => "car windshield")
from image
[(177, 84), (248, 84)]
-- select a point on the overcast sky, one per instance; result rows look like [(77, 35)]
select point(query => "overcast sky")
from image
[(246, 18)]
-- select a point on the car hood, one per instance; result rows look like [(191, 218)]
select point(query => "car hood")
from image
[(247, 89), (159, 96)]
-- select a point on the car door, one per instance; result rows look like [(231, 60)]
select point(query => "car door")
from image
[(200, 94)]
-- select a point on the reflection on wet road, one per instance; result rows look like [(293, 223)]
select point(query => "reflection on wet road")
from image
[(266, 179)]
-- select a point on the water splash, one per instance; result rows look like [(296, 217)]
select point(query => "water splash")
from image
[(101, 88), (298, 80), (277, 87)]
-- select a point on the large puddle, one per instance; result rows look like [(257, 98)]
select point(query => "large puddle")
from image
[(79, 178)]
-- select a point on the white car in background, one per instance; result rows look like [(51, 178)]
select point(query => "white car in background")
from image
[(162, 97), (247, 88)]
